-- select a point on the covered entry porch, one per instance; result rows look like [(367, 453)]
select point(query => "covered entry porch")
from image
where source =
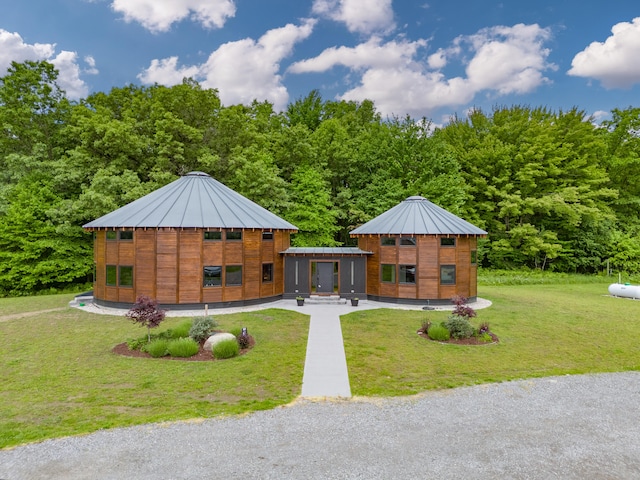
[(325, 271)]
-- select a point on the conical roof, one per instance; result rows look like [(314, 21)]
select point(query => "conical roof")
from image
[(193, 201), (417, 216)]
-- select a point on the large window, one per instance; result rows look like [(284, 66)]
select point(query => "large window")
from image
[(407, 274), (233, 275), (234, 236), (388, 241), (447, 274), (267, 272), (212, 276), (474, 257), (125, 274), (212, 236), (408, 241), (388, 273), (448, 242), (112, 275)]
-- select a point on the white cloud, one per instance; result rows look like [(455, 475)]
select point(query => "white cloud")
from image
[(613, 62), (159, 15), (91, 62), (13, 48), (361, 16), (243, 70), (400, 80)]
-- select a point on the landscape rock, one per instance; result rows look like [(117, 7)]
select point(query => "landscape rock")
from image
[(217, 338)]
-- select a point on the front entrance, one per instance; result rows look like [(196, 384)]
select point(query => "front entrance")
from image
[(324, 277)]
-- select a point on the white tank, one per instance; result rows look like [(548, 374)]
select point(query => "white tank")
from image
[(624, 290)]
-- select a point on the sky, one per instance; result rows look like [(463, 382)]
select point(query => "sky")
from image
[(433, 58)]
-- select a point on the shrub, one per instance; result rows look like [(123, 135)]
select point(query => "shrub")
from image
[(202, 328), (182, 329), (137, 343), (461, 308), (244, 340), (226, 349), (483, 328), (426, 325), (183, 347), (459, 327), (146, 312), (157, 348), (438, 332), (485, 337)]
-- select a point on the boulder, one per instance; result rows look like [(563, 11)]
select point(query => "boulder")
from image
[(217, 338)]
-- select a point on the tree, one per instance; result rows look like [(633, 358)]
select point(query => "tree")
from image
[(146, 313)]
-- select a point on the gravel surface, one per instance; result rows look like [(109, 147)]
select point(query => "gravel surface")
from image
[(570, 427)]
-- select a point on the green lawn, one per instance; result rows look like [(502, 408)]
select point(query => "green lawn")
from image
[(13, 305), (543, 330), (59, 377)]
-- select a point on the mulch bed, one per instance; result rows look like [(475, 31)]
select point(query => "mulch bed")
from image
[(201, 356), (463, 341)]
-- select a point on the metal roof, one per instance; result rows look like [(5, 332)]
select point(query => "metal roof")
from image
[(193, 201), (325, 251), (417, 216)]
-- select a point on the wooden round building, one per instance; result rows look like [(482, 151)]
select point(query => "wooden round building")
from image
[(192, 242), (420, 253)]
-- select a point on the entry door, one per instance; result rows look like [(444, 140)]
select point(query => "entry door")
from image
[(324, 277)]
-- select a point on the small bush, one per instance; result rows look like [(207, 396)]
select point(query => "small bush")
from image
[(157, 348), (202, 328), (182, 329), (183, 347), (226, 349), (438, 332), (244, 340), (485, 337), (137, 343), (483, 328), (461, 308), (459, 327), (426, 325)]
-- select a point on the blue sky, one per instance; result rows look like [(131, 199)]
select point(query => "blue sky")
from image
[(421, 58)]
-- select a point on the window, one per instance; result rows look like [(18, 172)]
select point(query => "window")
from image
[(408, 241), (388, 273), (212, 276), (126, 234), (447, 274), (111, 235), (125, 275), (233, 275), (388, 241), (234, 235), (474, 257), (407, 274), (267, 235), (448, 242), (267, 272), (212, 236), (112, 274)]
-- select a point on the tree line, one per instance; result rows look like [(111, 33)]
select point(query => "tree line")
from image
[(553, 189)]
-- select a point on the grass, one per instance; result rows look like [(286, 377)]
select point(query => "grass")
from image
[(544, 330), (14, 305), (59, 376)]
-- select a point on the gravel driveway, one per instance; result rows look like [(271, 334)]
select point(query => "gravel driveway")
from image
[(570, 427)]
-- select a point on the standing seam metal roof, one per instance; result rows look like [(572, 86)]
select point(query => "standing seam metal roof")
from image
[(417, 216), (193, 201)]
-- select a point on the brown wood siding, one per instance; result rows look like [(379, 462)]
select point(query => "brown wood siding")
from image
[(407, 255), (100, 260), (190, 266), (167, 266), (144, 274), (407, 291), (233, 252), (463, 270), (428, 268), (252, 268)]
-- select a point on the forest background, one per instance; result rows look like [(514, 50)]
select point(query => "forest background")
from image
[(554, 190)]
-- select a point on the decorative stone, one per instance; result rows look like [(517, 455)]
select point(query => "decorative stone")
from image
[(217, 338)]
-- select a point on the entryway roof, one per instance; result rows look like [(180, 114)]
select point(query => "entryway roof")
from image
[(325, 251)]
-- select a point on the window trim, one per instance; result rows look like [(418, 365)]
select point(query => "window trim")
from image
[(452, 245), (393, 273), (127, 285), (270, 271), (474, 257), (455, 276), (204, 276), (405, 267), (226, 276), (269, 236), (114, 275)]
